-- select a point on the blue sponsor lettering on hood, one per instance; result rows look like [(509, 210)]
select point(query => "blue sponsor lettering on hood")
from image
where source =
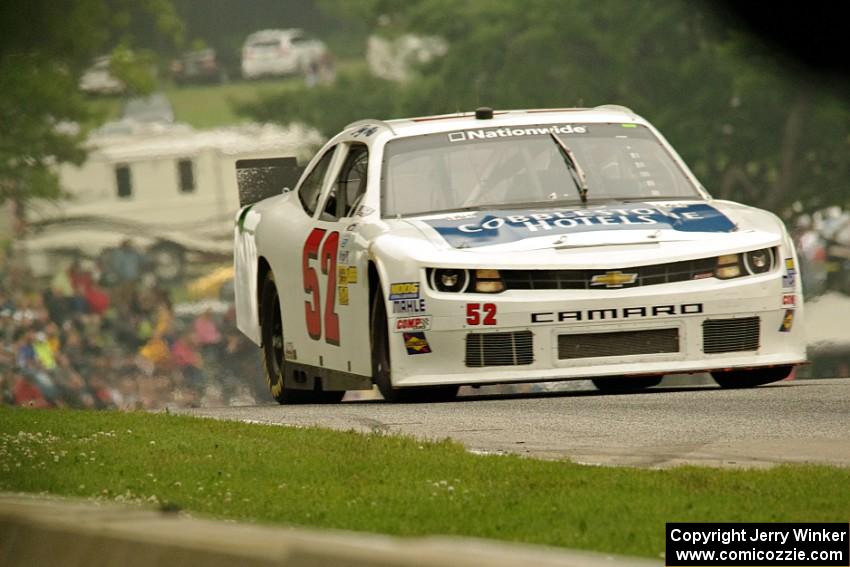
[(501, 227)]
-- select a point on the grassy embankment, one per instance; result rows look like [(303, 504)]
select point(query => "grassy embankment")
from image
[(210, 106), (389, 484)]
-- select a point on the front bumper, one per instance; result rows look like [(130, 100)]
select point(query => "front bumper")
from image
[(548, 314)]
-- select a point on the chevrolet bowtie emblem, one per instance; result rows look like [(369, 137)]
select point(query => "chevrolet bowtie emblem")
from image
[(613, 279)]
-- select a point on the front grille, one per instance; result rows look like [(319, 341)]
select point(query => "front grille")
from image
[(581, 279), (730, 335), (621, 343), (499, 349)]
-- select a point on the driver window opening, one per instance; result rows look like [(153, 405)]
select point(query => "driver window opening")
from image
[(350, 186)]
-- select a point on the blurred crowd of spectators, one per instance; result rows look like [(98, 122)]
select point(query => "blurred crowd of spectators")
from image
[(822, 240), (107, 337)]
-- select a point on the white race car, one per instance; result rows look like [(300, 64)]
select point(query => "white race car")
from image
[(503, 247)]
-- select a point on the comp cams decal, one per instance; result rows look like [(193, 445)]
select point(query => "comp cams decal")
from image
[(407, 324), (501, 227)]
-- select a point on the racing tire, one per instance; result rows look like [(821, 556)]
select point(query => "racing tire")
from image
[(381, 369), (626, 384), (751, 378), (274, 365)]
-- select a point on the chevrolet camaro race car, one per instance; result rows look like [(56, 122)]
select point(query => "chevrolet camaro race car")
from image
[(503, 247)]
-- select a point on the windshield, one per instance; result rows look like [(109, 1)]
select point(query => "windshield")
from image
[(523, 166)]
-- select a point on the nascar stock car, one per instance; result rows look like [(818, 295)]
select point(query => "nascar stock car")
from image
[(503, 247)]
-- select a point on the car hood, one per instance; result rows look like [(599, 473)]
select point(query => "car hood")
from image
[(595, 234)]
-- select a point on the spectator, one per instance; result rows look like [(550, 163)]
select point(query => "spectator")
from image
[(26, 393)]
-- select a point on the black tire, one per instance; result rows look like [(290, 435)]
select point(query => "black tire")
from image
[(751, 378), (626, 383), (381, 369), (274, 365)]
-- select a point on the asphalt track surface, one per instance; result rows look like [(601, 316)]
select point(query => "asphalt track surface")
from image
[(787, 422)]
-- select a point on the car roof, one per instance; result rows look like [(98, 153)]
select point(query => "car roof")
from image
[(273, 34), (502, 118)]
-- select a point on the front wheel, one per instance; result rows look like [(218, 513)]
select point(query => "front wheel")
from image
[(626, 384), (751, 378), (381, 370), (274, 364)]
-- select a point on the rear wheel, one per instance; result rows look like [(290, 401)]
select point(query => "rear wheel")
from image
[(751, 378), (274, 364), (626, 384), (381, 370)]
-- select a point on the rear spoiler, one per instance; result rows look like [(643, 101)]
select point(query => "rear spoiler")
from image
[(259, 179)]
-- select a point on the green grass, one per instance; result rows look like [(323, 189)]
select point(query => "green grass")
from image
[(394, 485), (210, 106)]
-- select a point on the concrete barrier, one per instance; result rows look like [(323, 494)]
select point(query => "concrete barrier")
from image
[(39, 531)]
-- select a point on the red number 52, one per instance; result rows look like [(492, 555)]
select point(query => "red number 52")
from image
[(327, 264)]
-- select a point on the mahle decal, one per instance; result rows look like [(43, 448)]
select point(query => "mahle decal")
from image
[(411, 306)]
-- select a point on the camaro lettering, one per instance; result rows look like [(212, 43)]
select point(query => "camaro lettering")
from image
[(609, 314), (601, 314)]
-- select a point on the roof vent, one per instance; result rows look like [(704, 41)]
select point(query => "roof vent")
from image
[(483, 113), (616, 108)]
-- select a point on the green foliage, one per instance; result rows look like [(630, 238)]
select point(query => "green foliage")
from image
[(391, 484), (752, 128), (44, 49)]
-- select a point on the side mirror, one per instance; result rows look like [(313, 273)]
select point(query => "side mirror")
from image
[(259, 179)]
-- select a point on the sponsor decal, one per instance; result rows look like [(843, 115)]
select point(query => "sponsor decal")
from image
[(518, 131), (404, 290), (342, 275), (787, 321), (500, 227), (412, 306), (342, 292), (352, 274), (613, 279), (364, 131), (416, 343), (289, 352), (789, 279), (412, 324), (364, 211), (611, 314), (789, 300), (342, 258)]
